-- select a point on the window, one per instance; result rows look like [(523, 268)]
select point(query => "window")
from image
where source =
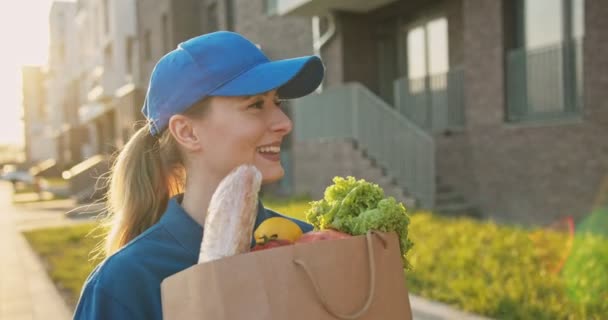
[(61, 52), (427, 49), (147, 45), (165, 26), (129, 54), (212, 23), (544, 72), (107, 54), (430, 90), (270, 7), (106, 16), (229, 11)]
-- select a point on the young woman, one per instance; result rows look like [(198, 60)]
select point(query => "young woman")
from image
[(212, 104)]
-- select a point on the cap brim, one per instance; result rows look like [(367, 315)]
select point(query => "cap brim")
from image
[(293, 78)]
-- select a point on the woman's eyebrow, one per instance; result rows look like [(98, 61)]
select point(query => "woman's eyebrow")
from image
[(245, 98)]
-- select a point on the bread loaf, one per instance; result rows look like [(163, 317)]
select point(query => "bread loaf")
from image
[(231, 215)]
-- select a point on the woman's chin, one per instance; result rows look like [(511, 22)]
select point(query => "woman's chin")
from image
[(272, 175)]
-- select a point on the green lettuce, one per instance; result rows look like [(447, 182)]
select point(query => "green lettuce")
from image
[(357, 206)]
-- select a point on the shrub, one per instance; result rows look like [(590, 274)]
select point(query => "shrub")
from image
[(500, 272)]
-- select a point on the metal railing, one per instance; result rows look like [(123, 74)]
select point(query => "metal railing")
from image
[(545, 83), (435, 103), (352, 111)]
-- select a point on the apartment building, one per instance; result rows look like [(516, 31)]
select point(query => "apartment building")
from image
[(492, 108), (37, 146), (487, 107)]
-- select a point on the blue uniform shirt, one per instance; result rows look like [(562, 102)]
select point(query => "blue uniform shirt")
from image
[(127, 284)]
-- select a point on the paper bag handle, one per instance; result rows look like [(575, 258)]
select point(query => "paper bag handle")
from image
[(372, 281)]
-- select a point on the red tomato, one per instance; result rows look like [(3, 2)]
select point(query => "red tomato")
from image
[(327, 234), (270, 244)]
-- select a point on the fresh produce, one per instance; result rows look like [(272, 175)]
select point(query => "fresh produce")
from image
[(231, 215), (356, 206), (277, 228), (327, 234), (270, 243)]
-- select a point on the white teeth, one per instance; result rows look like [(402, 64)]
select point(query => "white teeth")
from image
[(270, 149)]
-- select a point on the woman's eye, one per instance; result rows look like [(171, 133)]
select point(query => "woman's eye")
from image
[(257, 105), (278, 103)]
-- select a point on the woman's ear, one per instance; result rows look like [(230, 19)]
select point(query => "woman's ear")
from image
[(182, 129)]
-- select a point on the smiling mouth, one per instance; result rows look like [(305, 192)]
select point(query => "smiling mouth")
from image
[(270, 152), (269, 149)]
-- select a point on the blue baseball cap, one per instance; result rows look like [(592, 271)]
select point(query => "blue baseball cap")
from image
[(222, 63)]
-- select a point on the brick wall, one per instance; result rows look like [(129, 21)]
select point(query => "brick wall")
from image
[(184, 22), (483, 62), (149, 20), (360, 60), (596, 61), (526, 173), (279, 37)]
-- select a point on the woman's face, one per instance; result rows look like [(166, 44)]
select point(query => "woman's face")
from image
[(243, 130)]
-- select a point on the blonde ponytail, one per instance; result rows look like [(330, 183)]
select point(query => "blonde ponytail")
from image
[(145, 174)]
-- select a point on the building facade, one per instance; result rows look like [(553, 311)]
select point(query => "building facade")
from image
[(494, 107), (37, 147), (509, 94)]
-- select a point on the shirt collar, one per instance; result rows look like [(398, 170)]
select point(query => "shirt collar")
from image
[(181, 225), (186, 230)]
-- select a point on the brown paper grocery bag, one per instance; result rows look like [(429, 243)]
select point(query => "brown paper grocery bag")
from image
[(357, 278)]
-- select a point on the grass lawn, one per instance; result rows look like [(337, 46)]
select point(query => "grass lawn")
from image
[(498, 271), (67, 253)]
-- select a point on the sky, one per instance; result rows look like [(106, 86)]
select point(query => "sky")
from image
[(24, 33)]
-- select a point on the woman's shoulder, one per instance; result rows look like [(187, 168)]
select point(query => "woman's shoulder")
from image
[(130, 278), (119, 268), (116, 289), (145, 261)]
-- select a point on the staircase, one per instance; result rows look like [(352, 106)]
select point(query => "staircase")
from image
[(450, 202), (400, 151), (348, 130), (319, 161)]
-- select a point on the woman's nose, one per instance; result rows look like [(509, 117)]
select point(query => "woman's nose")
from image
[(281, 122)]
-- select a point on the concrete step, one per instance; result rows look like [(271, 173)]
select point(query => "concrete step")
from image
[(445, 198), (458, 209), (444, 188)]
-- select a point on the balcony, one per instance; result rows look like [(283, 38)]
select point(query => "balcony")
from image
[(435, 102), (321, 7), (545, 84), (101, 91), (91, 111)]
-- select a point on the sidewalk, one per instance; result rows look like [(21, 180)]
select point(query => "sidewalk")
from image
[(423, 309), (26, 291)]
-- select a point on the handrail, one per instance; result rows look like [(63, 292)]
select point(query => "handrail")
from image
[(352, 111)]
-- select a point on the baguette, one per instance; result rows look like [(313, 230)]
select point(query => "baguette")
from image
[(231, 215)]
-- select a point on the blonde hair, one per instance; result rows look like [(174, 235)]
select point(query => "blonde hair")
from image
[(146, 173)]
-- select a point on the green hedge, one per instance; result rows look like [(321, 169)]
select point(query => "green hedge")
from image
[(497, 271), (506, 272)]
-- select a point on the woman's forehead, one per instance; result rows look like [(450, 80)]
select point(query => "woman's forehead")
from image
[(269, 94)]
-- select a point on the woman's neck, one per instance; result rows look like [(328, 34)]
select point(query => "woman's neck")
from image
[(197, 195)]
